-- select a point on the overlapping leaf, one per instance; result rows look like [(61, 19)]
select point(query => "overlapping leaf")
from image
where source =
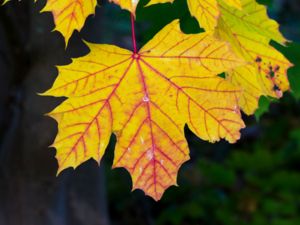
[(131, 5), (207, 12), (249, 32), (146, 98), (70, 15)]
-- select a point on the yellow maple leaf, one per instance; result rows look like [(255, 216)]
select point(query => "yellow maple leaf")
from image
[(146, 98), (131, 5), (249, 32), (207, 12), (70, 15)]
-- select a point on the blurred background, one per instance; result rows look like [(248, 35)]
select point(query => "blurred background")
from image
[(253, 182)]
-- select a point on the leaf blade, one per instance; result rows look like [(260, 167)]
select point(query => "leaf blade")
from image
[(69, 15), (249, 32), (146, 99)]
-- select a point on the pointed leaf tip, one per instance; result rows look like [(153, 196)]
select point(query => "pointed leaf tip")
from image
[(69, 16)]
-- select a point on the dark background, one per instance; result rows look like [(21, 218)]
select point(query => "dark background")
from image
[(256, 181)]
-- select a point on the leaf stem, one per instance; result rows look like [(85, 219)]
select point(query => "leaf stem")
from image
[(133, 33)]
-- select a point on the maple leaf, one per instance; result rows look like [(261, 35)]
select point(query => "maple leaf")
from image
[(207, 12), (70, 15), (131, 5), (146, 98), (249, 32)]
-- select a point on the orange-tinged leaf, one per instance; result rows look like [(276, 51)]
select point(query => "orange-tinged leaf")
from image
[(131, 5), (146, 98), (249, 32), (70, 15), (207, 12)]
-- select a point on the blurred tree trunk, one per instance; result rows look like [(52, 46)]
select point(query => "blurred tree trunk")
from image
[(30, 193)]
